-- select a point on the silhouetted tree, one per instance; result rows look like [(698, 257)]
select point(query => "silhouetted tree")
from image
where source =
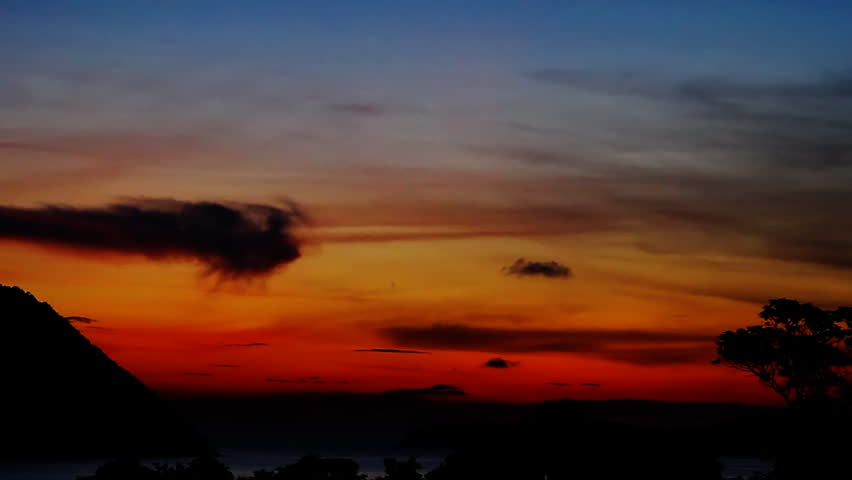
[(314, 467), (205, 467), (801, 351), (396, 470), (123, 469)]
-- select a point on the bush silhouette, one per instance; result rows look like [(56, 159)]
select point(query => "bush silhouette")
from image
[(396, 470), (801, 351)]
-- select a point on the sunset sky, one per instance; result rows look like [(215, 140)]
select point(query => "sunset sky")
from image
[(237, 197)]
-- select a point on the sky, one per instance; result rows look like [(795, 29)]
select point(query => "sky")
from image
[(524, 200)]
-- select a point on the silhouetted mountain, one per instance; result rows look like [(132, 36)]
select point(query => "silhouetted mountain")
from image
[(62, 396)]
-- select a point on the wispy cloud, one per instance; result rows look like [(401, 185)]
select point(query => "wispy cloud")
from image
[(245, 345), (366, 109), (389, 350)]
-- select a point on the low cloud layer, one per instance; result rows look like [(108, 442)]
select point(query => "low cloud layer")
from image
[(526, 268), (366, 109), (389, 350), (230, 240), (245, 345), (630, 346), (313, 380)]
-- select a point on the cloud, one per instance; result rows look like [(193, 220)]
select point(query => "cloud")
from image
[(662, 355), (244, 345), (833, 85), (230, 240), (558, 384), (593, 385), (498, 362), (439, 390), (801, 124), (313, 380), (78, 319), (524, 268), (631, 346), (622, 82), (389, 350), (366, 109)]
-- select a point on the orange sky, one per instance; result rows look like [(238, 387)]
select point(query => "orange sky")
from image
[(172, 327), (683, 177)]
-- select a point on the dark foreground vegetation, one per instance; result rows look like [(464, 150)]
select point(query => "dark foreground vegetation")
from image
[(64, 397), (800, 351)]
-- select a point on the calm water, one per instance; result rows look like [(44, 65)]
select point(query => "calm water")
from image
[(244, 462)]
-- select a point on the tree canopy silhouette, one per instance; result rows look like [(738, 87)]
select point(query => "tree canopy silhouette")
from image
[(800, 351)]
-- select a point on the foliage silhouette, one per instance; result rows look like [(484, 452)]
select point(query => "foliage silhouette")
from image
[(205, 467), (397, 470), (801, 351), (313, 467)]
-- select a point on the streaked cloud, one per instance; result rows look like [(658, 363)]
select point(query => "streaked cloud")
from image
[(630, 346), (389, 350)]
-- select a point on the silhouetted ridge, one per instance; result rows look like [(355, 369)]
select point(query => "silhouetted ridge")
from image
[(62, 396)]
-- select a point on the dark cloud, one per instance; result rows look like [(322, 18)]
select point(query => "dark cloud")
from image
[(239, 345), (78, 319), (590, 384), (230, 240), (760, 211), (835, 85), (800, 124), (313, 380), (661, 355), (620, 82), (367, 109), (525, 268), (198, 374), (439, 390), (528, 155), (633, 346), (558, 384), (389, 350), (498, 362)]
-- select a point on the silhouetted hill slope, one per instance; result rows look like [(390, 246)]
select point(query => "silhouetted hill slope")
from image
[(62, 396)]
